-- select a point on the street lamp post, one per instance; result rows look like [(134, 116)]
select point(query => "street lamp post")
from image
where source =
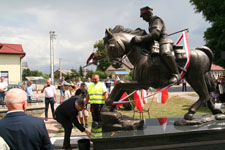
[(52, 36)]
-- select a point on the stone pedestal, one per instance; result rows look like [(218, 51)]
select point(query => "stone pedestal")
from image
[(161, 134)]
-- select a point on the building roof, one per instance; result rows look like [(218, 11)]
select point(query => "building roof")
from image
[(34, 78), (65, 72), (11, 49), (217, 68)]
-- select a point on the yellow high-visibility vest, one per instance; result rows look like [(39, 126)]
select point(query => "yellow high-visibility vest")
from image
[(96, 133), (96, 94)]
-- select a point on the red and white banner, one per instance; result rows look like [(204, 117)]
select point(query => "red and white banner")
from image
[(187, 50), (163, 123), (162, 96), (140, 99), (144, 96), (123, 98)]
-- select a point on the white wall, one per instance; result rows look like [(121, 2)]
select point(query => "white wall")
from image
[(12, 64)]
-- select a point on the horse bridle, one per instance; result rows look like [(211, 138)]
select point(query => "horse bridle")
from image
[(126, 52)]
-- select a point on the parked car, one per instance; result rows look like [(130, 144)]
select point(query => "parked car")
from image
[(12, 86)]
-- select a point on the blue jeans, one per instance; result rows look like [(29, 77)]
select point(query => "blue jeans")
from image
[(29, 99), (62, 92), (2, 97), (47, 101)]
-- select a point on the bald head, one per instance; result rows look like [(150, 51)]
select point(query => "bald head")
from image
[(95, 78), (15, 96)]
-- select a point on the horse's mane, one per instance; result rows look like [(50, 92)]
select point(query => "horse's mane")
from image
[(120, 28)]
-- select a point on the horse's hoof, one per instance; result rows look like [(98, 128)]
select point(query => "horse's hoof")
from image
[(106, 109), (188, 116)]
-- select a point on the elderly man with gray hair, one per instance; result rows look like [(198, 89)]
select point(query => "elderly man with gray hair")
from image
[(19, 130), (66, 114)]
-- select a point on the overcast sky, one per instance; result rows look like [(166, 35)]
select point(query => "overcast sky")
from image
[(80, 23)]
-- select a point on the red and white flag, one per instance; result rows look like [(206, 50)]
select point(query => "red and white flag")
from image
[(187, 50), (163, 123), (162, 96), (140, 99), (144, 96), (122, 97)]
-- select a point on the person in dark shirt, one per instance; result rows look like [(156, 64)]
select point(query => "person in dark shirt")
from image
[(82, 92), (66, 114), (108, 84), (20, 131)]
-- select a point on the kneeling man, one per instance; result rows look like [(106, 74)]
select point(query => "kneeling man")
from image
[(66, 114)]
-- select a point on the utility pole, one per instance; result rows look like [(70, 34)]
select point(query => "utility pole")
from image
[(52, 36), (60, 68)]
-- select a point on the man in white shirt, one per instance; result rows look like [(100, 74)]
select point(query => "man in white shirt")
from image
[(3, 89), (79, 82), (50, 97), (88, 82)]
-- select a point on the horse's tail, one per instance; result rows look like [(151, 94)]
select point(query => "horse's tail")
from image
[(208, 52)]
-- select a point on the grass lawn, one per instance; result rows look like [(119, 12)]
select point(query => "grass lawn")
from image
[(192, 94), (174, 106)]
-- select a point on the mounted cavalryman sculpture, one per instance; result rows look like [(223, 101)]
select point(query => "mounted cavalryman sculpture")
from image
[(158, 38), (157, 63)]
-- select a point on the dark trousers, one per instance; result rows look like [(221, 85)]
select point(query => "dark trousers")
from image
[(95, 112), (184, 87), (47, 101), (2, 97), (67, 125), (222, 97)]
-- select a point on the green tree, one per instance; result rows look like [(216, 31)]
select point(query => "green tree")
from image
[(81, 71), (74, 73), (214, 12), (102, 74), (34, 73), (103, 62), (26, 72), (46, 76), (89, 74)]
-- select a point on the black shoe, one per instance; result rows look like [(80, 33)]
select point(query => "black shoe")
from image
[(86, 125), (46, 119)]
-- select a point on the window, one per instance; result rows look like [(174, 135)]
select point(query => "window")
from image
[(5, 74)]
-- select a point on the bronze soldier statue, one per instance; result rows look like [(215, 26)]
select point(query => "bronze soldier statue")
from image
[(158, 36), (150, 69)]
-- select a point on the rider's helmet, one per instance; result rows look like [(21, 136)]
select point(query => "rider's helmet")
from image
[(146, 10)]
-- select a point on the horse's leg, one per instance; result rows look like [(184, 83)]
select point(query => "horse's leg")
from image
[(118, 90), (198, 83)]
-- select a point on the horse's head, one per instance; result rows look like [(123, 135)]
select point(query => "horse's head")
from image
[(114, 48)]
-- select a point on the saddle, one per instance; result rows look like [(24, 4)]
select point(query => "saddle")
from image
[(178, 52)]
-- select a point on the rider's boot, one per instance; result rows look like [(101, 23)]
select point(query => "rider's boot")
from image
[(171, 63)]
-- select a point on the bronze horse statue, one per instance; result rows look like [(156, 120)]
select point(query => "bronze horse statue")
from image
[(150, 71)]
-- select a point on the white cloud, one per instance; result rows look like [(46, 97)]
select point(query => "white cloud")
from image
[(79, 24)]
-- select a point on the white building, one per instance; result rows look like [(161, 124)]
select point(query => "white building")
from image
[(10, 62)]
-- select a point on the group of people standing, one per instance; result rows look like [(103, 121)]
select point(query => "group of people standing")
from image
[(219, 93), (73, 110)]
